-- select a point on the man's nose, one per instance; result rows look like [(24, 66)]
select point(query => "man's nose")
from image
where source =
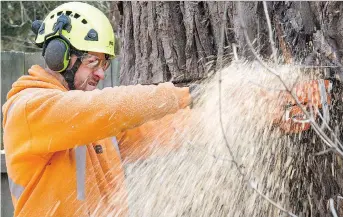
[(100, 73)]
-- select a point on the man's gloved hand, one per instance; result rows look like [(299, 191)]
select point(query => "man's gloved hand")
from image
[(195, 90)]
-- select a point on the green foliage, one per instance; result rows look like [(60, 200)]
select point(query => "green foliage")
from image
[(17, 17)]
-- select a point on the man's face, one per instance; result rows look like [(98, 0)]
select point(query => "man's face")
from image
[(90, 72)]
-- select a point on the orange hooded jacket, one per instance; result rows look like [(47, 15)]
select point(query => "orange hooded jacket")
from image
[(65, 149)]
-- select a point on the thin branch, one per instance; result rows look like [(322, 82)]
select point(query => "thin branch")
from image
[(220, 95), (314, 67), (46, 8), (324, 152), (13, 25), (190, 144), (234, 49), (222, 41), (270, 31), (20, 42), (22, 11), (27, 16), (14, 38), (329, 128), (24, 46), (252, 185), (339, 198), (264, 87), (332, 208), (209, 154)]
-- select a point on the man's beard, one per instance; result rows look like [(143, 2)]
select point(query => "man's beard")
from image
[(87, 82)]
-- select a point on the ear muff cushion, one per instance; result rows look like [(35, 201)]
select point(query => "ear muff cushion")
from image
[(57, 55)]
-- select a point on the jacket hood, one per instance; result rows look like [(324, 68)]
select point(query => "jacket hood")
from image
[(37, 78)]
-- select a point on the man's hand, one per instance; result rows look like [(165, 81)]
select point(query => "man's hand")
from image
[(195, 90)]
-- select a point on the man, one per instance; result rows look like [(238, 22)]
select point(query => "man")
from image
[(61, 134)]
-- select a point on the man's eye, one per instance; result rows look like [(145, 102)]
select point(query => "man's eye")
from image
[(93, 63)]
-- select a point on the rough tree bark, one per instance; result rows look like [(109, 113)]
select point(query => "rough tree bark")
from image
[(175, 41), (169, 40)]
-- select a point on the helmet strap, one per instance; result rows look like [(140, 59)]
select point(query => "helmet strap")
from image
[(69, 74)]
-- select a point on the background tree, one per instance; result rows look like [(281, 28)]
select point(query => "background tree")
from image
[(177, 40), (17, 17)]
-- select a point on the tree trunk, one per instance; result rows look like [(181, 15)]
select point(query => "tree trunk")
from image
[(170, 41), (182, 42)]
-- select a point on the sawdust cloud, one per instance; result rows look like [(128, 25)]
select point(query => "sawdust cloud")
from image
[(199, 178)]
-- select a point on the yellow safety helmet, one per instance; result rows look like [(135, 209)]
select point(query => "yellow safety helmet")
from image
[(88, 28)]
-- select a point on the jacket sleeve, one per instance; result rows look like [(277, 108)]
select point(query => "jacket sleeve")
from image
[(61, 120), (156, 137)]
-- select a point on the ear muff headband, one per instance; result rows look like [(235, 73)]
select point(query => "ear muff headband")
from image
[(57, 54)]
